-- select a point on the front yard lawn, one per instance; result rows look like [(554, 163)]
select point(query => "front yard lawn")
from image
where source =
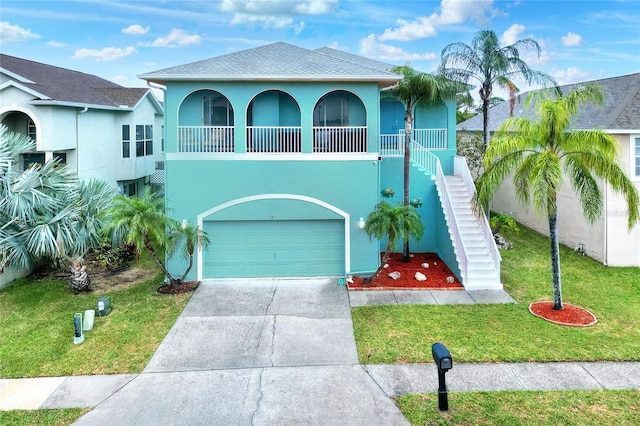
[(579, 408), (37, 328), (509, 333)]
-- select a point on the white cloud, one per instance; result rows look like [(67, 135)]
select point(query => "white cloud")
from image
[(450, 12), (10, 32), (118, 78), (136, 29), (372, 48), (572, 39), (276, 13), (512, 34), (569, 75), (106, 54), (176, 37), (54, 43), (406, 31)]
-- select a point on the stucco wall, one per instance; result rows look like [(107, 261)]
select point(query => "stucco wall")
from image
[(608, 240)]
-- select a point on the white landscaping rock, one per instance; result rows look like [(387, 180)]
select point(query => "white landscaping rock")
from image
[(395, 275), (425, 265), (420, 276)]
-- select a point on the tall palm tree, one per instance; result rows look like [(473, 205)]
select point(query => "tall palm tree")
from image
[(399, 222), (489, 64), (143, 222), (416, 89), (540, 153)]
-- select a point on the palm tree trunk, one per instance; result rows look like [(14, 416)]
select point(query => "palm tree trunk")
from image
[(408, 123), (555, 260), (385, 259), (184, 277), (164, 270)]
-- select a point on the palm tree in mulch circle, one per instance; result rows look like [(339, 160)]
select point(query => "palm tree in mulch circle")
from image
[(540, 153), (417, 88), (491, 65), (396, 223), (143, 222)]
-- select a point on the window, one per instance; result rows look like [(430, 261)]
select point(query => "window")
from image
[(31, 130), (30, 159), (216, 111), (162, 143), (332, 111), (60, 158), (126, 141), (144, 140), (132, 189)]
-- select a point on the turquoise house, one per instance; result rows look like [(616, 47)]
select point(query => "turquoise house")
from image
[(279, 153)]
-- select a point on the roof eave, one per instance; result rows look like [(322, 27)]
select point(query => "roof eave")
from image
[(81, 105), (162, 78)]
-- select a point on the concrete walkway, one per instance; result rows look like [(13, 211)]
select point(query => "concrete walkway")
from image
[(283, 352)]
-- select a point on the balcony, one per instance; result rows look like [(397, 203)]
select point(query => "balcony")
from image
[(205, 139), (340, 139), (274, 139)]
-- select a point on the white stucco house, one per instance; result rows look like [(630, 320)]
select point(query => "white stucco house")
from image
[(608, 240), (97, 127)]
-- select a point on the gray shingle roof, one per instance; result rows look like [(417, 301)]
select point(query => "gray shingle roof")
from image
[(619, 111), (64, 85), (350, 57), (277, 61)]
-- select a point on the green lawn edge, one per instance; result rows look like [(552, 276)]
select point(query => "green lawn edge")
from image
[(509, 332)]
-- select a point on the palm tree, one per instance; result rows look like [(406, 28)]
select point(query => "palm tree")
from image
[(45, 213), (540, 153), (143, 222), (491, 65), (416, 89), (186, 239), (399, 222)]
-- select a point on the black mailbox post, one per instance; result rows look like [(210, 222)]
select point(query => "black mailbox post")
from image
[(444, 362)]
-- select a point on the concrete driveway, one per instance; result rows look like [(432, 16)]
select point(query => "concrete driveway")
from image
[(255, 352)]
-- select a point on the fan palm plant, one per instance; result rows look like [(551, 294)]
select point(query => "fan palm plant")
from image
[(540, 153), (396, 223), (45, 213), (416, 89)]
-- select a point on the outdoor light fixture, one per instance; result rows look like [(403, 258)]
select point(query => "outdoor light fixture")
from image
[(361, 223), (184, 223), (78, 335)]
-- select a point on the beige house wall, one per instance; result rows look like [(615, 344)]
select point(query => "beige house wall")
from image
[(608, 240)]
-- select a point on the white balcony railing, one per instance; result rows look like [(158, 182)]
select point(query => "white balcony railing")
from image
[(430, 138), (205, 138), (273, 139), (393, 145), (340, 139)]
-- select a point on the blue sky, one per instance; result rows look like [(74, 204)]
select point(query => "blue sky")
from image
[(580, 40)]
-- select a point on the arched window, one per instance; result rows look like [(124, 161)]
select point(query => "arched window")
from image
[(31, 129)]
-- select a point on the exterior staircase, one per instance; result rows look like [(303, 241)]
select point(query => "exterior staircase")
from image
[(481, 269)]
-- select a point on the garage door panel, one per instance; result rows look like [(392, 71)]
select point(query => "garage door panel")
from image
[(274, 248)]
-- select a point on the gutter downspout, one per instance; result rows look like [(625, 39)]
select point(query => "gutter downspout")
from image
[(85, 109)]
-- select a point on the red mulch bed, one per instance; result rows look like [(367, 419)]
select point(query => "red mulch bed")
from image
[(186, 287), (572, 316), (437, 275)]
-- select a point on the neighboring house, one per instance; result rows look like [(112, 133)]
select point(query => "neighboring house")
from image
[(608, 240), (99, 128), (279, 153)]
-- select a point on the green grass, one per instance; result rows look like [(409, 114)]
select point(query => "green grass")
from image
[(495, 333), (580, 408), (59, 417), (37, 329)]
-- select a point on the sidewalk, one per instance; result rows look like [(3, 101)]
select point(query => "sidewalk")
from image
[(394, 380), (239, 355)]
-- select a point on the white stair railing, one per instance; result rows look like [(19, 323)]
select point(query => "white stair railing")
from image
[(424, 158), (461, 169)]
